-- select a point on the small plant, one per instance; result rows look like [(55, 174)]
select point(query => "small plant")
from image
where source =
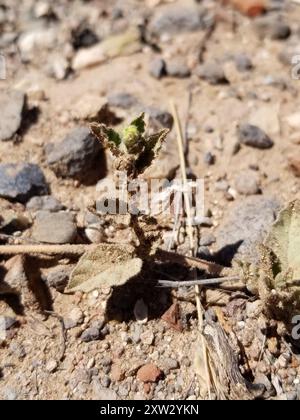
[(133, 149)]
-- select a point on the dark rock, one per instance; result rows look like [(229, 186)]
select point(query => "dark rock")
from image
[(245, 228), (122, 100), (209, 158), (204, 253), (159, 118), (46, 202), (157, 68), (247, 182), (90, 334), (243, 62), (11, 104), (212, 72), (253, 136), (83, 37), (20, 181), (177, 67), (174, 19), (76, 155), (54, 228), (58, 278)]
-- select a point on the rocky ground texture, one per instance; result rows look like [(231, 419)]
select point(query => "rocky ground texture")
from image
[(236, 82)]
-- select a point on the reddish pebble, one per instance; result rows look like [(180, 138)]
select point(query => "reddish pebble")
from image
[(149, 373)]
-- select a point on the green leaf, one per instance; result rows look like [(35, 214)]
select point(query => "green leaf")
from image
[(139, 123)]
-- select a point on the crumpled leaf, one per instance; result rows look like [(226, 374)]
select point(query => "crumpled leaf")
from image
[(106, 265), (283, 242), (135, 151), (279, 280)]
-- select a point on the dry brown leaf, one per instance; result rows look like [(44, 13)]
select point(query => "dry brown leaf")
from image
[(107, 265)]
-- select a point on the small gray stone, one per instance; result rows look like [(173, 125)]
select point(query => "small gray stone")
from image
[(247, 183), (90, 334), (76, 155), (158, 118), (20, 181), (204, 252), (253, 136), (177, 67), (169, 364), (212, 72), (54, 228), (173, 19), (105, 381), (254, 309), (121, 100), (207, 239), (243, 62), (58, 278), (46, 202), (245, 228), (157, 68), (7, 322), (11, 105)]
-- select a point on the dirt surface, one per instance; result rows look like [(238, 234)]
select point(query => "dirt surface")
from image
[(56, 356)]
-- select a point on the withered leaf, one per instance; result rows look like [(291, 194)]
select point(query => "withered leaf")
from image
[(283, 242), (107, 265)]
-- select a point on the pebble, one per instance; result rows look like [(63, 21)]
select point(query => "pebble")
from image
[(102, 393), (136, 334), (207, 239), (90, 334), (32, 41), (11, 104), (121, 100), (45, 202), (21, 181), (74, 318), (54, 228), (58, 277), (106, 381), (159, 118), (116, 373), (157, 68), (149, 373), (245, 227), (253, 136), (212, 72), (177, 67), (6, 322), (147, 337), (209, 158), (243, 62), (51, 366), (83, 37), (247, 183), (169, 364), (254, 309), (174, 19), (76, 155)]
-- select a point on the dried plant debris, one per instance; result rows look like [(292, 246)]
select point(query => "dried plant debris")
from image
[(133, 149), (279, 282), (106, 265)]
